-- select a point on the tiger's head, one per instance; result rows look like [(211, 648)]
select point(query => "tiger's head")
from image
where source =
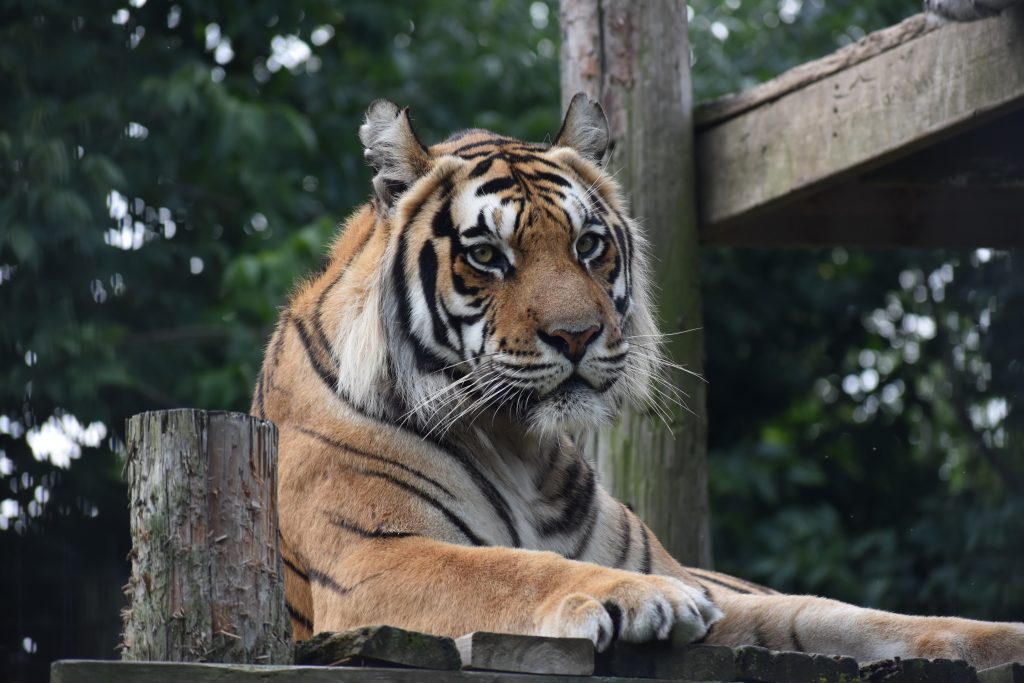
[(512, 281)]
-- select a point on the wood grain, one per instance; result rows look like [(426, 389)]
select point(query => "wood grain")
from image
[(526, 654), (938, 84), (206, 572)]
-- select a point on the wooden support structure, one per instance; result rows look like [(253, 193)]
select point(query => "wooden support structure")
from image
[(634, 57), (206, 572), (914, 137)]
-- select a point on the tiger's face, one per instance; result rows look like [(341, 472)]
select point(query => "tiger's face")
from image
[(511, 284)]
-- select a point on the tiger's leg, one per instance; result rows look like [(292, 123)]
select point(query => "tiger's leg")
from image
[(421, 584), (811, 624), (755, 615)]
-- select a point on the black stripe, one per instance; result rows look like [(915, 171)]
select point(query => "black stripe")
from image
[(750, 586), (298, 616), (495, 185), (645, 566), (428, 283), (494, 497), (326, 373), (760, 640), (260, 409), (719, 582), (365, 533), (797, 645), (626, 538), (551, 178), (425, 497), (295, 568), (588, 534), (426, 361), (533, 159), (579, 497), (495, 141), (482, 167), (318, 577), (372, 456)]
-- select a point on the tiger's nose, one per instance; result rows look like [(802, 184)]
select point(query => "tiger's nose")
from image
[(570, 343)]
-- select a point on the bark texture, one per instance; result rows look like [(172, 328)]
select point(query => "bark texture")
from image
[(206, 583), (635, 58)]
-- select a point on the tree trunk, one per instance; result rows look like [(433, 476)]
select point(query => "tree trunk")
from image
[(206, 583), (635, 58)]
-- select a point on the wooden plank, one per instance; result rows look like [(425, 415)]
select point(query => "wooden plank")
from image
[(726, 107), (375, 644), (1007, 673), (79, 671), (526, 654), (915, 670), (206, 581), (862, 215), (713, 662), (901, 100)]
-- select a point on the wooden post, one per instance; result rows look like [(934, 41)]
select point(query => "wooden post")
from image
[(635, 58), (206, 583)]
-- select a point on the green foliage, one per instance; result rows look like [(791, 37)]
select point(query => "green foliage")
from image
[(169, 170)]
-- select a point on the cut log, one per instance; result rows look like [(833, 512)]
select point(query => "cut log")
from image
[(206, 572)]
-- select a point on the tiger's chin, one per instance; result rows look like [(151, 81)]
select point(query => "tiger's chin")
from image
[(574, 409)]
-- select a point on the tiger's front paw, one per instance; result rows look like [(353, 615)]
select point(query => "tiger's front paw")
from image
[(982, 644), (634, 608)]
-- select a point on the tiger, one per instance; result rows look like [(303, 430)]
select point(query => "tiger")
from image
[(489, 305)]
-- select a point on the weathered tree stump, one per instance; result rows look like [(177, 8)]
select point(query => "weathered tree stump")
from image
[(206, 583)]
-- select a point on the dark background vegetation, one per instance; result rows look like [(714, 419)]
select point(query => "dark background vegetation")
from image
[(168, 171)]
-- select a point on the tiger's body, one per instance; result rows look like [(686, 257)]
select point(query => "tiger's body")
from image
[(486, 306)]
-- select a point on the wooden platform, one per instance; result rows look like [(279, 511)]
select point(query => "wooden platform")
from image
[(383, 653), (913, 136)]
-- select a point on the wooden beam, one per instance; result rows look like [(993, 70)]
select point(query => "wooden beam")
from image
[(709, 113), (635, 58), (912, 95), (862, 215)]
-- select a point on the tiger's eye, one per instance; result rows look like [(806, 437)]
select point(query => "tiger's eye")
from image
[(586, 245), (483, 254)]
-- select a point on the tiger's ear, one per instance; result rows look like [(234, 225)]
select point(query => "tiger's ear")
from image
[(585, 129), (393, 150)]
